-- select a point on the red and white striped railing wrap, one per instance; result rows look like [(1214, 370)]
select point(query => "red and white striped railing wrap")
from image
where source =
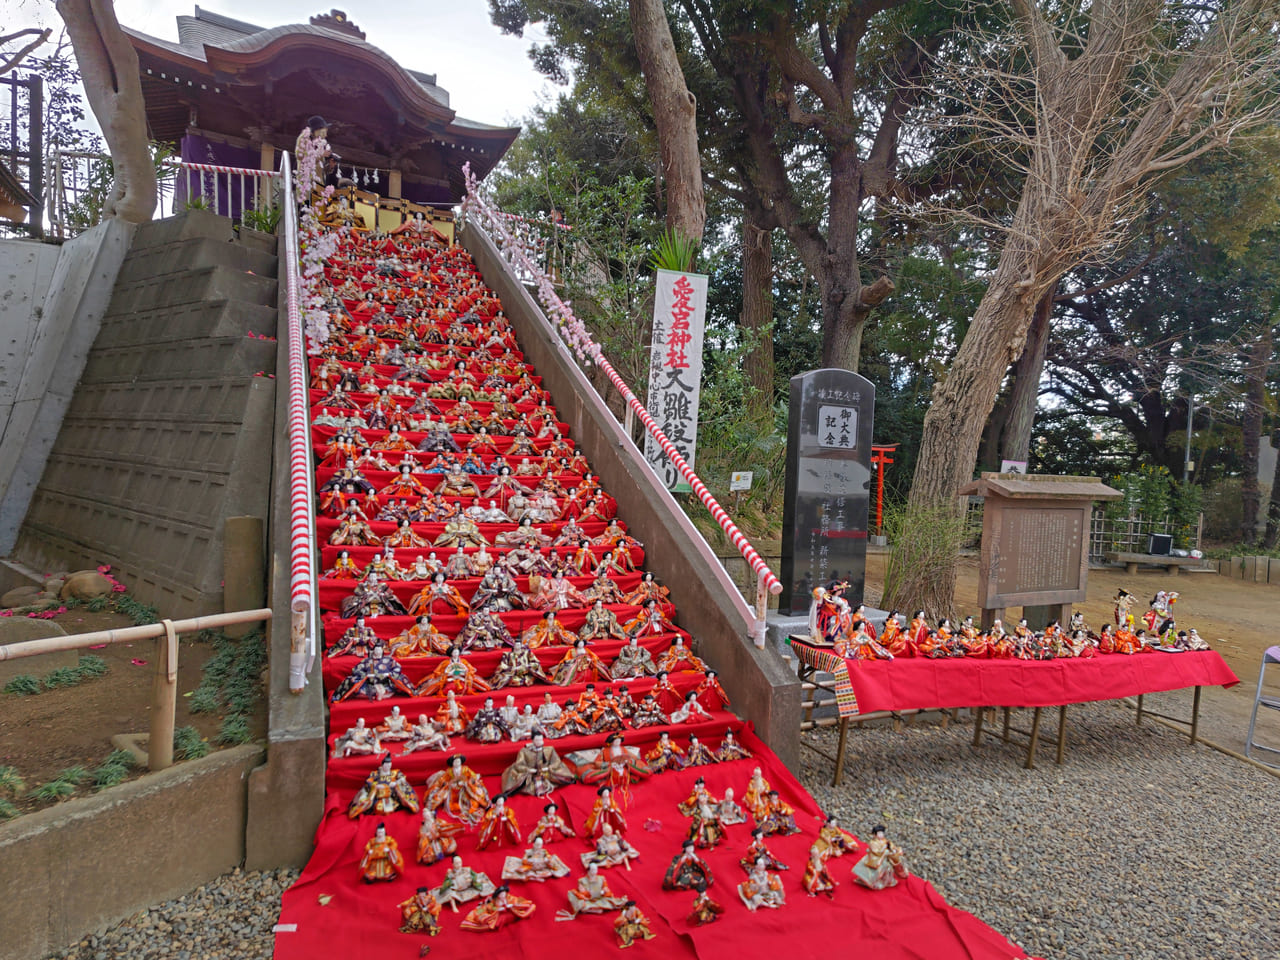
[(521, 262), (302, 523), (215, 168)]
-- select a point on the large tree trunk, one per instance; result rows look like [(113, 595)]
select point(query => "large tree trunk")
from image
[(1273, 508), (1255, 399), (756, 319), (1026, 383), (674, 115), (113, 87)]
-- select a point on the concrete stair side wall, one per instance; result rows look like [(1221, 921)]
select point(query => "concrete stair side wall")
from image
[(170, 429)]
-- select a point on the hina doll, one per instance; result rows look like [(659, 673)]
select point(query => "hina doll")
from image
[(357, 639), (833, 840), (757, 794), (462, 884), (603, 588), (451, 716), (454, 674), (551, 827), (633, 660), (710, 693), (862, 646), (487, 726), (420, 913), (458, 790), (881, 866), (498, 825), (652, 621), (498, 592), (704, 910), (548, 711), (518, 668), (728, 811), (484, 630), (705, 829), (571, 722), (395, 726), (649, 714), (668, 697), (376, 677), (611, 850), (665, 755), (698, 755), (817, 878), (691, 711), (436, 838), (383, 859), (459, 531), (591, 895), (385, 791), (602, 624), (648, 589), (731, 749), (893, 638), (759, 850), (372, 598), (459, 566), (404, 485), (353, 530), (548, 632), (631, 925), (537, 770), (605, 811), (344, 568), (679, 657), (579, 665), (439, 593), (526, 724), (617, 768), (761, 889), (525, 534), (536, 865), (688, 871), (360, 740), (420, 640), (779, 817)]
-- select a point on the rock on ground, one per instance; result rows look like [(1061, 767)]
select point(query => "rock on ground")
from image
[(86, 585), (18, 597)]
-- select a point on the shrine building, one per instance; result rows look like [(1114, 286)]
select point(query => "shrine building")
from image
[(233, 93)]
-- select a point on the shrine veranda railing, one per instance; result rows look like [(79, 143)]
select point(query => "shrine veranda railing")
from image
[(523, 264)]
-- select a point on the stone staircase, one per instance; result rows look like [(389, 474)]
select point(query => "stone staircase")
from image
[(170, 429)]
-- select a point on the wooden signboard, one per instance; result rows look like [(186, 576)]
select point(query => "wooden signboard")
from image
[(1035, 542)]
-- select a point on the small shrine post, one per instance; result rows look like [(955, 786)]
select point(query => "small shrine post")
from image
[(1035, 543), (828, 486)]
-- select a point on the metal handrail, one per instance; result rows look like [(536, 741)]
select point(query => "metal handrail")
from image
[(164, 684)]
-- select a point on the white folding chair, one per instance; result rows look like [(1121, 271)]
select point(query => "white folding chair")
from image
[(1271, 655)]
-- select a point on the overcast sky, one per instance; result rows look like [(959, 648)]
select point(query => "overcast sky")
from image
[(488, 75)]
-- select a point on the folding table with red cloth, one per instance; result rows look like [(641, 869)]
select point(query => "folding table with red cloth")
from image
[(925, 683)]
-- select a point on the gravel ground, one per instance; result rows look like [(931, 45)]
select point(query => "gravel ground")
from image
[(228, 919), (1138, 847)]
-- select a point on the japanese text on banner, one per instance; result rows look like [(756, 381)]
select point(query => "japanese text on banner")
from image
[(675, 369)]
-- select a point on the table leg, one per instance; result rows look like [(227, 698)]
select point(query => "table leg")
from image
[(977, 728), (1195, 714), (1139, 719), (1005, 735), (1062, 732), (806, 673), (1035, 739), (844, 733)]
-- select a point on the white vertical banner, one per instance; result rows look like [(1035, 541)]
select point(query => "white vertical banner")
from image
[(675, 368)]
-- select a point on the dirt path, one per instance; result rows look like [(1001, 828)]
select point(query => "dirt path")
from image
[(1239, 620)]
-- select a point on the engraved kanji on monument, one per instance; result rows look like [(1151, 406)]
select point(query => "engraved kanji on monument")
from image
[(828, 488)]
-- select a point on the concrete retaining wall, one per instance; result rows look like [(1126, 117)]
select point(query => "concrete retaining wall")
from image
[(1253, 569), (87, 863), (764, 689), (55, 346), (170, 429)]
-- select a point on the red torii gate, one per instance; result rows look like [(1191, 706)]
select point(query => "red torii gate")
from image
[(880, 458)]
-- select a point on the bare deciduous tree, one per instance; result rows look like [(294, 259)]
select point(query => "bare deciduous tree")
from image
[(11, 61), (113, 87), (1090, 103)]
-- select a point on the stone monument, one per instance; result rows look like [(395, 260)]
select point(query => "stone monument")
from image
[(828, 486)]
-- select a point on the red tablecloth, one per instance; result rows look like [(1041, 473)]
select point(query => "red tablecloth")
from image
[(924, 684), (908, 922)]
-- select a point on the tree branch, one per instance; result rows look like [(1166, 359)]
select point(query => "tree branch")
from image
[(41, 37)]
